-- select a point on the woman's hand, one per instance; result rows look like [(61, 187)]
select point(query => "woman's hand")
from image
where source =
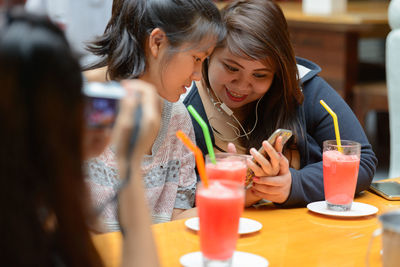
[(96, 140), (273, 179), (178, 214), (274, 188), (265, 167), (137, 92), (134, 217)]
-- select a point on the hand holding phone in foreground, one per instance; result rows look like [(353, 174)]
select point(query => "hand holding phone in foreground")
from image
[(140, 97), (138, 120), (101, 109)]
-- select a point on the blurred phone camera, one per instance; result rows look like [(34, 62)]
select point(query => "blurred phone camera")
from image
[(102, 103)]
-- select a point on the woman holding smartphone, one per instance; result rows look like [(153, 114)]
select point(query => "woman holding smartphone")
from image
[(252, 85), (163, 43)]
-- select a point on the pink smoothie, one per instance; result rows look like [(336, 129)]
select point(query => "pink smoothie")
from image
[(227, 170), (340, 176), (219, 207)]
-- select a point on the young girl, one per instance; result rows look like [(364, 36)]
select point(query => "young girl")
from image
[(44, 200), (252, 85), (163, 43)]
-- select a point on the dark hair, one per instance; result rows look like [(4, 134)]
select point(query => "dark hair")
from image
[(123, 44), (43, 197), (257, 29)]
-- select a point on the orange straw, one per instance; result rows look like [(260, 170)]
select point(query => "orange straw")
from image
[(198, 156)]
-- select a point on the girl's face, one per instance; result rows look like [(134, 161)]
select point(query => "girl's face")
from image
[(238, 81), (180, 70), (171, 73)]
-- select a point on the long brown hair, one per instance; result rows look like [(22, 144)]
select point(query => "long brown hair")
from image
[(257, 29), (43, 200)]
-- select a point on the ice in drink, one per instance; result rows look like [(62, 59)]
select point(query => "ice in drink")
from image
[(219, 207), (227, 170), (228, 167), (340, 177)]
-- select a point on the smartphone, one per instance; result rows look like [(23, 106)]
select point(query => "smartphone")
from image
[(286, 135), (102, 103), (388, 190)]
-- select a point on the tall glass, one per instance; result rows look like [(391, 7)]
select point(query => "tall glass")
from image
[(390, 238), (340, 173), (229, 167), (220, 206)]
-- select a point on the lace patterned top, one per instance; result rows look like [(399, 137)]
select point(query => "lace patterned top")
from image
[(168, 173)]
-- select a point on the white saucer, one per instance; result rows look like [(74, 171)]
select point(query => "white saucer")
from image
[(246, 226), (240, 259), (357, 209)]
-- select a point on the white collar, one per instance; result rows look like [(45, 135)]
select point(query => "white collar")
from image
[(302, 71)]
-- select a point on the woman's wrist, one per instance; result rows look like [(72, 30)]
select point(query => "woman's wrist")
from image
[(250, 198)]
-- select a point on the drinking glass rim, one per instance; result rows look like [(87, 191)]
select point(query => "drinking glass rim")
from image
[(390, 225), (245, 156), (344, 143)]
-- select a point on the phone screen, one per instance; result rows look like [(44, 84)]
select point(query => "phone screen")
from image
[(389, 190), (100, 112), (102, 102)]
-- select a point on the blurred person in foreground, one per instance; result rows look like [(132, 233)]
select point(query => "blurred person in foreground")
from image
[(46, 213)]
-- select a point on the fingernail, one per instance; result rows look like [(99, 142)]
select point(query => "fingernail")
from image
[(256, 178)]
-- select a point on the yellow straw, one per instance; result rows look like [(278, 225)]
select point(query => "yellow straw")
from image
[(335, 122), (197, 154)]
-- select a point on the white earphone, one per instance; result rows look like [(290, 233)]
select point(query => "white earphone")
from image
[(222, 106)]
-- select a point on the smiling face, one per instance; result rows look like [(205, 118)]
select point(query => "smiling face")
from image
[(238, 81)]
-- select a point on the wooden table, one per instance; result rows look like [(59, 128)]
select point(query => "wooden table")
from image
[(289, 237), (331, 41)]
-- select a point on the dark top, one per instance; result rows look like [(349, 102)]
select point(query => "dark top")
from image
[(317, 125)]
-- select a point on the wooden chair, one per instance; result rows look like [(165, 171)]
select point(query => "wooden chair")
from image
[(367, 96)]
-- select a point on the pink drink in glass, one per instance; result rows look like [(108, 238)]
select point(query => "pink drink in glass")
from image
[(219, 207), (229, 167), (340, 177)]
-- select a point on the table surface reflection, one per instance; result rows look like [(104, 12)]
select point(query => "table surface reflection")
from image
[(289, 237)]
